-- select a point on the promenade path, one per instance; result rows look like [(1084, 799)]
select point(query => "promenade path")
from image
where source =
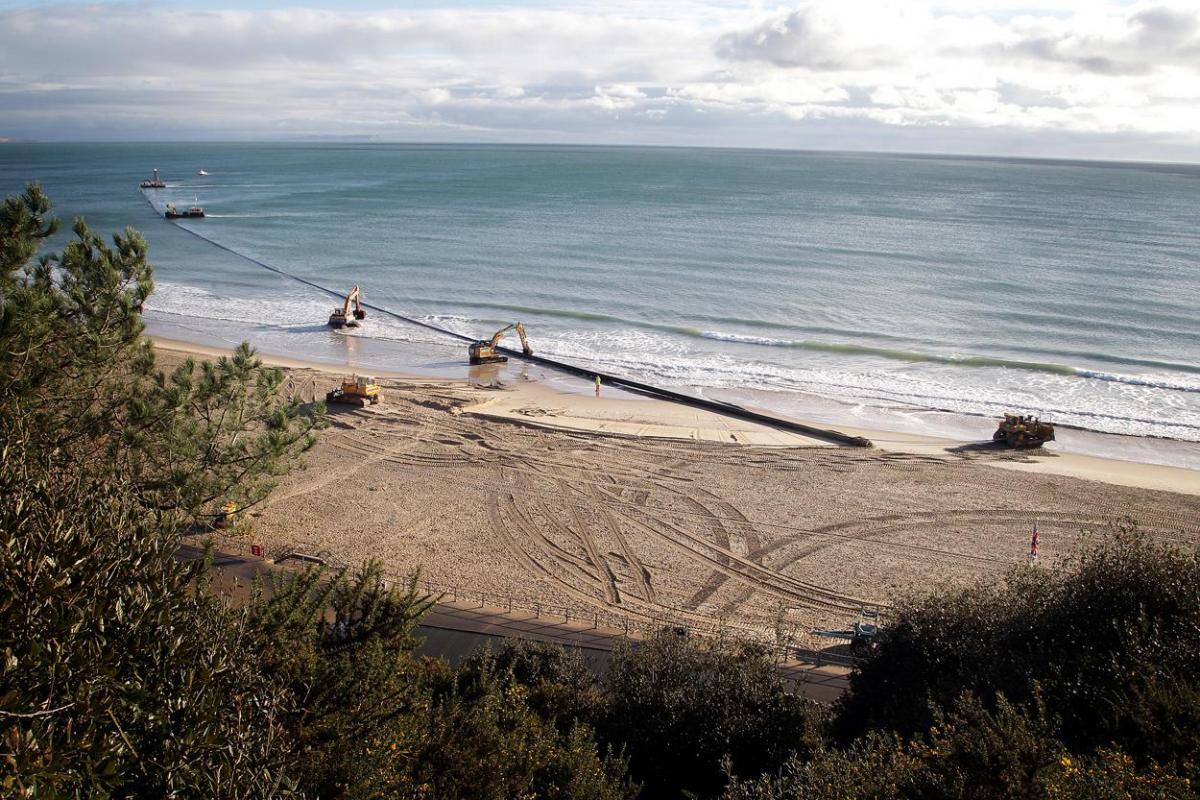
[(455, 628)]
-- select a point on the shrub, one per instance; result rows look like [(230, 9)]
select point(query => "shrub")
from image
[(1112, 640), (118, 675), (558, 682), (686, 711), (972, 753)]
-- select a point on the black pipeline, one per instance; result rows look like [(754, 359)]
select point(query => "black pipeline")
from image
[(728, 409)]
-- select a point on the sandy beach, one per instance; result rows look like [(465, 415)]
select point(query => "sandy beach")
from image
[(649, 511)]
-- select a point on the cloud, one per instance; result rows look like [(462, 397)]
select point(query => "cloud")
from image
[(1101, 68), (667, 71), (815, 37), (1141, 43)]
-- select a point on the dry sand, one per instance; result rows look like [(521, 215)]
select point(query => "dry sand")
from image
[(653, 512)]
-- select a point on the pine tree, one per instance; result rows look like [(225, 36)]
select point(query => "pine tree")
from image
[(120, 674)]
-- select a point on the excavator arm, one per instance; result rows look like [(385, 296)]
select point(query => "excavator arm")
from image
[(354, 297), (525, 348), (498, 335)]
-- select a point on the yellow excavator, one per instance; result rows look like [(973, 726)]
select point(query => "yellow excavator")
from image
[(484, 350), (357, 390), (342, 318)]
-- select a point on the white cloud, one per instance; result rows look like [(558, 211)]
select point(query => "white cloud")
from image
[(662, 72)]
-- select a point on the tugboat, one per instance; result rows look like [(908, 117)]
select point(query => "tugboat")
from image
[(154, 183), (190, 213)]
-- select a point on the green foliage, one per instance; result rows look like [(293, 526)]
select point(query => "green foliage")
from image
[(972, 753), (1113, 775), (78, 380), (116, 675), (121, 674), (486, 742), (558, 682), (373, 721), (1113, 641), (341, 645), (25, 222), (686, 710), (212, 432)]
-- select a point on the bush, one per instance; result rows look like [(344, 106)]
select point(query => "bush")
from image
[(972, 753), (485, 742), (558, 682), (118, 675), (1113, 642), (687, 711), (340, 646)]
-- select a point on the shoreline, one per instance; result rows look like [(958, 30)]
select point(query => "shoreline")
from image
[(542, 404), (384, 350)]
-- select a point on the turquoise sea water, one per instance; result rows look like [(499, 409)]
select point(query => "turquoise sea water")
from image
[(918, 293)]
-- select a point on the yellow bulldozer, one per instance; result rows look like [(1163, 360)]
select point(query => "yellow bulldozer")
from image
[(1023, 431), (484, 350), (357, 390), (342, 317)]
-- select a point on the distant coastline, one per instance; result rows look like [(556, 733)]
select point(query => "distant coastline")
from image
[(372, 140)]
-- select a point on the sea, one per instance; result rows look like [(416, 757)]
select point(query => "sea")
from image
[(914, 294)]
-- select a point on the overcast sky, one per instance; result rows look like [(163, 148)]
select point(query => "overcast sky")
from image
[(1075, 78)]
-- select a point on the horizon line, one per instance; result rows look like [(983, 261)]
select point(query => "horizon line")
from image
[(351, 139)]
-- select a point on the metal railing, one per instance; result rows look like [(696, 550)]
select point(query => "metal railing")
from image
[(783, 645)]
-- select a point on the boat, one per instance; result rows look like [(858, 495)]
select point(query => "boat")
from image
[(154, 183), (201, 172), (188, 213)]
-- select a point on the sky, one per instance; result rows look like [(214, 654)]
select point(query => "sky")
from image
[(1060, 78)]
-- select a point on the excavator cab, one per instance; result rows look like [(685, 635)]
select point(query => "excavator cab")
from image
[(484, 350), (342, 317)]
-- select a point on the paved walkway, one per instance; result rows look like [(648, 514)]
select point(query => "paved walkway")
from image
[(824, 683)]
